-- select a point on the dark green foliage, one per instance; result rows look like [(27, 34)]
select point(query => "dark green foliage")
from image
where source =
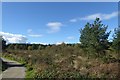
[(116, 40), (2, 49), (34, 46), (94, 37), (19, 46), (11, 46), (2, 43), (4, 66)]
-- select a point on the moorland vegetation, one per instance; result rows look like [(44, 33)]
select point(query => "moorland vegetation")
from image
[(94, 57)]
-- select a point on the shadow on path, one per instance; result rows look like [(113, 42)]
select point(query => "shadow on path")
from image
[(12, 69), (6, 65), (12, 64)]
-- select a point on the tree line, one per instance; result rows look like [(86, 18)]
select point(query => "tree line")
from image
[(27, 46)]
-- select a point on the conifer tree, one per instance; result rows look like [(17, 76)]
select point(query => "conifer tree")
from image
[(94, 37), (116, 40)]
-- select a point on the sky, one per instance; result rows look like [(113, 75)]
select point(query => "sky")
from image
[(53, 22)]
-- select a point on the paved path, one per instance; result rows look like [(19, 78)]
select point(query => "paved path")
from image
[(14, 70)]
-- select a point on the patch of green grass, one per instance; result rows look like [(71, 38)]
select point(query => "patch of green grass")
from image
[(30, 74), (10, 57)]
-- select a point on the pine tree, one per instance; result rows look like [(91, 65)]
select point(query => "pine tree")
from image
[(94, 37), (116, 40)]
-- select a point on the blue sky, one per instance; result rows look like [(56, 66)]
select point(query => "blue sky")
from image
[(53, 22)]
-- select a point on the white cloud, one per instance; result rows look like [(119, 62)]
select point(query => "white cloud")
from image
[(35, 35), (58, 43), (101, 16), (31, 34), (73, 20), (13, 38), (70, 37), (97, 15), (54, 26), (39, 43)]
